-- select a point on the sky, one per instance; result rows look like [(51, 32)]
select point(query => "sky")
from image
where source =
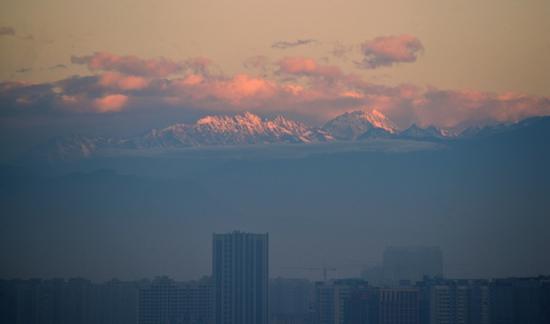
[(124, 67), (451, 64)]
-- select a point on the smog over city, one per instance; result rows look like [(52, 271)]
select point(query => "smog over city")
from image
[(282, 162)]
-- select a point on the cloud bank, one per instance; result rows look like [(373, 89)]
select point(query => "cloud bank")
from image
[(299, 86)]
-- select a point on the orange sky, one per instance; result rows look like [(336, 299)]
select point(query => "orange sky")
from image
[(495, 45)]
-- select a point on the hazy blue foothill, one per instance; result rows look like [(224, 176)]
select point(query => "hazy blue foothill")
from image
[(483, 200)]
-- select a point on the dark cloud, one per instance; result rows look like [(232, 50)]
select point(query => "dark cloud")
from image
[(7, 31), (23, 70), (10, 31), (389, 50), (148, 68), (290, 44), (81, 60), (57, 66)]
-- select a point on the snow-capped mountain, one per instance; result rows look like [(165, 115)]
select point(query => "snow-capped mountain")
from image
[(239, 129), (417, 133), (376, 132), (351, 125), (248, 128)]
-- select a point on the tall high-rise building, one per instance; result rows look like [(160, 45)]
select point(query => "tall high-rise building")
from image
[(240, 274), (411, 264)]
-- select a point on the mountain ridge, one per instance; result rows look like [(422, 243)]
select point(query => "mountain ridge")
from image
[(247, 128)]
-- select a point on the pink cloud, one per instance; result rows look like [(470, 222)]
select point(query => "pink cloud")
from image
[(389, 50), (111, 103), (301, 86), (192, 79), (318, 101), (123, 82), (241, 89), (321, 79), (298, 65), (243, 86)]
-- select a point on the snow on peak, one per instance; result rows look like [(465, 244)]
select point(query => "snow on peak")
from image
[(245, 128), (207, 120), (351, 125), (379, 120), (252, 117)]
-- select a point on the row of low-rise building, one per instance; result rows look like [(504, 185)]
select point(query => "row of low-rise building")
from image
[(167, 301), (239, 292), (291, 301), (354, 301), (435, 301), (74, 301)]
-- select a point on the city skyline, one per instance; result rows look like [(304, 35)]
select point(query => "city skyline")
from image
[(239, 292)]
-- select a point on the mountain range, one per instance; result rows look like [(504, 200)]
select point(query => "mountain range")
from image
[(248, 128)]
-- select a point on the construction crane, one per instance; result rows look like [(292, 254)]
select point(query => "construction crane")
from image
[(324, 270)]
